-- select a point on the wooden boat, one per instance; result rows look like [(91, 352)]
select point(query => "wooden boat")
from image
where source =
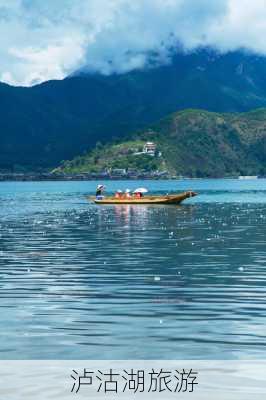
[(167, 199)]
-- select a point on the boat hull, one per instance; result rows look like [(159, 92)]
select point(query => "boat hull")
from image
[(168, 199)]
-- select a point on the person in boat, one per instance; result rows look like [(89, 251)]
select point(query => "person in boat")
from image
[(99, 191), (118, 194), (138, 195), (128, 194)]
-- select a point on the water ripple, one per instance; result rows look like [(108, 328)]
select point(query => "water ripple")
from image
[(81, 281)]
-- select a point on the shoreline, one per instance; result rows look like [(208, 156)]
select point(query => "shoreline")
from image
[(69, 178)]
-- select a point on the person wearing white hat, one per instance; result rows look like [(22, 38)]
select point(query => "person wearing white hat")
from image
[(99, 191), (118, 194), (128, 193)]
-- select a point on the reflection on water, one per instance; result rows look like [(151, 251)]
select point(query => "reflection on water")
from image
[(80, 281)]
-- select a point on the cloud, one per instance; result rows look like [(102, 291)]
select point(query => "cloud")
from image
[(50, 39), (52, 61)]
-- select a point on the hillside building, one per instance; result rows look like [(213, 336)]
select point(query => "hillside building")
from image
[(149, 148)]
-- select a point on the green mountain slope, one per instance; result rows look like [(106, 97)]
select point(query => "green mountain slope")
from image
[(192, 143), (42, 125)]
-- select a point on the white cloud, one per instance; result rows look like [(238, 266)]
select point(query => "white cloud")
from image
[(39, 64), (49, 39)]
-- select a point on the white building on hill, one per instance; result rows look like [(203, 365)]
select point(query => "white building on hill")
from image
[(149, 148)]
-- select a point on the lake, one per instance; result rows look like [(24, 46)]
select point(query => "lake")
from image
[(82, 281)]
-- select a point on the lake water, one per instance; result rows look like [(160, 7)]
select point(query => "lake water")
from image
[(81, 281)]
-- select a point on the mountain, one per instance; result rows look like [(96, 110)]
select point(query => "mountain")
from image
[(54, 121), (193, 143)]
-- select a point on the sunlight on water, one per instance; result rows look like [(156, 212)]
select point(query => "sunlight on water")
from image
[(80, 281)]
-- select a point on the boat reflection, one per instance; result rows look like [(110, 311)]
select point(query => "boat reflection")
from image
[(125, 214)]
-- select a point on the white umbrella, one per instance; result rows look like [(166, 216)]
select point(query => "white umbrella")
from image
[(141, 190)]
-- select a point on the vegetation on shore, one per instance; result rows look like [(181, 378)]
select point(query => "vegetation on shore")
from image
[(193, 143), (112, 157)]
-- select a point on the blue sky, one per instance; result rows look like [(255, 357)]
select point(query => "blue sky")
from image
[(49, 39)]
